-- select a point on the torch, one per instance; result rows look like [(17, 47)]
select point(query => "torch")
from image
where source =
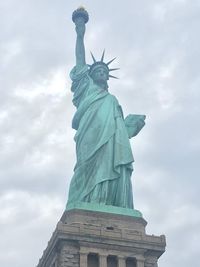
[(80, 14)]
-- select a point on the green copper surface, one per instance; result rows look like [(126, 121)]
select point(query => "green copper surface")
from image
[(102, 175), (105, 208)]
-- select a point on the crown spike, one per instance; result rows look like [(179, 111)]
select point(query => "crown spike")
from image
[(111, 61), (93, 57), (114, 69), (111, 76), (102, 58)]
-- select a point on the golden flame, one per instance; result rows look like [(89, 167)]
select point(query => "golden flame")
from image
[(81, 7)]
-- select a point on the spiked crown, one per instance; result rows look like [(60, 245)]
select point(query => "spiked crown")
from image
[(101, 63)]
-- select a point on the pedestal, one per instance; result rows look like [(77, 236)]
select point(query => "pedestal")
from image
[(85, 238)]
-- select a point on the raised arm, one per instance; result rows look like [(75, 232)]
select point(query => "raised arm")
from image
[(80, 17), (80, 48)]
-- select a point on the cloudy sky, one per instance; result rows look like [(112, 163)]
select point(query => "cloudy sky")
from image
[(157, 47)]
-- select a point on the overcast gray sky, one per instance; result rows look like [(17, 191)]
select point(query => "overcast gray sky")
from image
[(157, 47)]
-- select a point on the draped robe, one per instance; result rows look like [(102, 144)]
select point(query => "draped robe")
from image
[(104, 158)]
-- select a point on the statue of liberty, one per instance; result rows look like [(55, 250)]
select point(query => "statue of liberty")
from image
[(102, 174)]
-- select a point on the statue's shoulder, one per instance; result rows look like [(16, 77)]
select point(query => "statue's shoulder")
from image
[(78, 72), (114, 99)]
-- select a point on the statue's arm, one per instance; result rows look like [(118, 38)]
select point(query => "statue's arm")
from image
[(80, 48)]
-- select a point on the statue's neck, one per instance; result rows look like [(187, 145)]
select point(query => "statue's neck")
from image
[(102, 85)]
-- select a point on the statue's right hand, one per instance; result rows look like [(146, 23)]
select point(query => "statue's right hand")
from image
[(80, 27)]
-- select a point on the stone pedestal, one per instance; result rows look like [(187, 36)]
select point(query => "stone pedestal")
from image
[(99, 239)]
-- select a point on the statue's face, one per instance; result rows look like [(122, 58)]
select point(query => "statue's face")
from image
[(100, 75)]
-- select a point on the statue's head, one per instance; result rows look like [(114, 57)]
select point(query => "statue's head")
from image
[(99, 71)]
